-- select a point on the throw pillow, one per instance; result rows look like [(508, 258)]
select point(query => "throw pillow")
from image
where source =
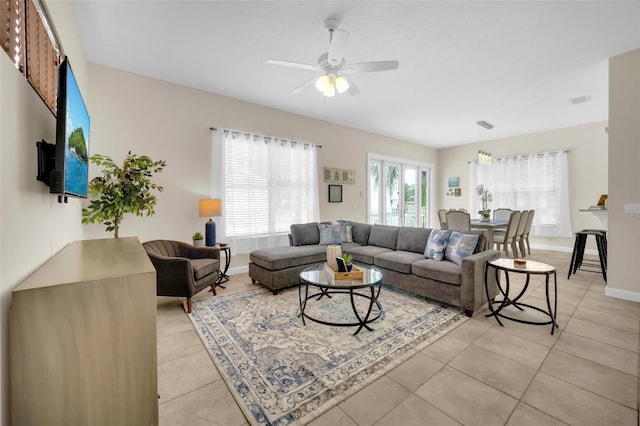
[(329, 233), (437, 244), (460, 246), (346, 231)]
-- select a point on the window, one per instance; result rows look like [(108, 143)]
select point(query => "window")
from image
[(269, 184), (399, 192), (524, 182), (27, 37)]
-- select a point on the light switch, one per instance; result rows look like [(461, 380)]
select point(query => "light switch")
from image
[(632, 209)]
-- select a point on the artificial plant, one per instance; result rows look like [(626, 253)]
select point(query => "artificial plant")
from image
[(122, 189)]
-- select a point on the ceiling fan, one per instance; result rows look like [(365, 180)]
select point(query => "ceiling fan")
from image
[(334, 66)]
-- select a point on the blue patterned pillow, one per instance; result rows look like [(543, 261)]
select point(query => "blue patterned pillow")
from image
[(329, 233), (460, 246), (346, 234), (437, 244)]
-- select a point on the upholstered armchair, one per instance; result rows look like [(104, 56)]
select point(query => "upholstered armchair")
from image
[(183, 270)]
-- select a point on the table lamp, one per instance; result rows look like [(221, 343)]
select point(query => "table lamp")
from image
[(210, 208)]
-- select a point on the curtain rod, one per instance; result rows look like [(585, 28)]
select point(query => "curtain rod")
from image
[(215, 129)]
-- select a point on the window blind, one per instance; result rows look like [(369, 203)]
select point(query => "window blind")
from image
[(12, 31), (27, 37), (269, 184)]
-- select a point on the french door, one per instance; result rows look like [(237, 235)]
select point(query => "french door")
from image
[(399, 192)]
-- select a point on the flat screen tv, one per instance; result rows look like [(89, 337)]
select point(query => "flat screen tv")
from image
[(70, 176)]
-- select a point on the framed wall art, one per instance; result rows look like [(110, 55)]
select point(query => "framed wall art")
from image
[(335, 193), (333, 175)]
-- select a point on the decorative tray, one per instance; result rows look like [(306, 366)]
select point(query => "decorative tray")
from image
[(354, 274)]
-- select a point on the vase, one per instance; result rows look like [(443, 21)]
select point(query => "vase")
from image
[(333, 251), (485, 219)]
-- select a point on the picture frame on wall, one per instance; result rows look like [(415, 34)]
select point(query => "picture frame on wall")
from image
[(454, 182), (335, 193)]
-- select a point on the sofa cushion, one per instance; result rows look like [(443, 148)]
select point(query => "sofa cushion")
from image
[(384, 236), (329, 233), (444, 271), (413, 239), (460, 246), (203, 267), (278, 258), (437, 244), (365, 254), (305, 234), (399, 261), (360, 232)]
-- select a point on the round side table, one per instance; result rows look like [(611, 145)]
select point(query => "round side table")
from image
[(223, 278), (529, 268)]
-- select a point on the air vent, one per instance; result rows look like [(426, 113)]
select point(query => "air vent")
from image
[(581, 99), (485, 124)]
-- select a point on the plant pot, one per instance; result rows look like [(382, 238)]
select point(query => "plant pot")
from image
[(349, 266), (198, 243), (485, 219)]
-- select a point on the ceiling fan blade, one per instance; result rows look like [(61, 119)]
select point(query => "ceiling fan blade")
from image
[(337, 46), (294, 65), (374, 66), (353, 89), (304, 85)]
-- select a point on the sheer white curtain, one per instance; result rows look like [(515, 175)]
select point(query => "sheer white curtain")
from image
[(524, 182), (269, 184)]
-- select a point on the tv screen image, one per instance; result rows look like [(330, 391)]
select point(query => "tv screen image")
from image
[(72, 141)]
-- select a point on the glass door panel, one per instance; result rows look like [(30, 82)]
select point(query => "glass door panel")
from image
[(392, 194), (409, 199), (424, 198), (375, 189)]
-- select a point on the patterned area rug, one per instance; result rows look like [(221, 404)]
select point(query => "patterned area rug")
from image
[(282, 372)]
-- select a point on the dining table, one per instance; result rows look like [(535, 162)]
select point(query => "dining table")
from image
[(490, 226)]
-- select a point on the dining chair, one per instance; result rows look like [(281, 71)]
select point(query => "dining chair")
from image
[(509, 235), (527, 230), (519, 237), (442, 217), (458, 220), (502, 214)]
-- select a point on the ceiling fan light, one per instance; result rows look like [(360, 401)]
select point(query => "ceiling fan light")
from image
[(330, 90), (323, 83), (342, 85)]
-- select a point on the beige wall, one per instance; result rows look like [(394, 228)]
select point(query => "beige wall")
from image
[(624, 176), (587, 145), (171, 122), (33, 225)]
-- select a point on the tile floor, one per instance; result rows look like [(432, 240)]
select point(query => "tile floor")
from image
[(479, 374)]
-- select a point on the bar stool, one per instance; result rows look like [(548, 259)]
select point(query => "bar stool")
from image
[(577, 256)]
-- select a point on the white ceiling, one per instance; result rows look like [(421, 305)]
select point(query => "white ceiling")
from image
[(514, 64)]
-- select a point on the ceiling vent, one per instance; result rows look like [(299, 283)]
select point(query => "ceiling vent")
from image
[(581, 99), (485, 124)]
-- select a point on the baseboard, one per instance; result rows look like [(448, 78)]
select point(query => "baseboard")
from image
[(562, 249), (622, 294), (238, 270)]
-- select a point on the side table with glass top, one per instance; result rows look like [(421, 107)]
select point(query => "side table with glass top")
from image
[(510, 307), (367, 288)]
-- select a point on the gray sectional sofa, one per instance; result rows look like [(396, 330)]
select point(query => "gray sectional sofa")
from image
[(399, 252)]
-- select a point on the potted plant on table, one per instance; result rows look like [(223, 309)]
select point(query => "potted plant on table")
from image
[(198, 239), (348, 259), (485, 197), (122, 189)]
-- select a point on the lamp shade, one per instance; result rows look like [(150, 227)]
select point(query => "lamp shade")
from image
[(210, 208)]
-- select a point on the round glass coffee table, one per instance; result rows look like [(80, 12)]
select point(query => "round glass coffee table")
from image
[(368, 288)]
